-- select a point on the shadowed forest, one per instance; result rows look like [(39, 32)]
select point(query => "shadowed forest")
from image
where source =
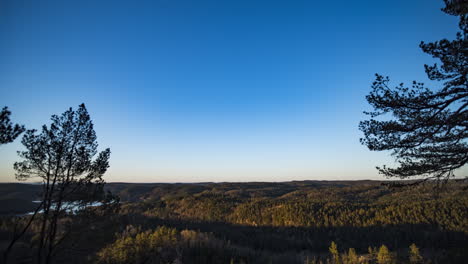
[(290, 222)]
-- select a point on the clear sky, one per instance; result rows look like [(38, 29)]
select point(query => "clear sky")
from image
[(209, 90)]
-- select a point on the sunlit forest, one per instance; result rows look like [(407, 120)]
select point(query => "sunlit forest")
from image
[(290, 222)]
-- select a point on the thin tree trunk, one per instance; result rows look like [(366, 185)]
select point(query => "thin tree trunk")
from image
[(46, 202), (53, 228), (17, 237), (49, 202), (65, 183)]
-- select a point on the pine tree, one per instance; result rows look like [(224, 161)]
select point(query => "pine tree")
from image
[(64, 156), (384, 256), (372, 251), (334, 252), (352, 257), (426, 129), (414, 255), (8, 130)]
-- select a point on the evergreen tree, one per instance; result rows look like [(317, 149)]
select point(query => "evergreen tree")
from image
[(414, 255), (372, 251), (352, 257), (8, 131), (426, 129), (384, 256), (334, 252), (64, 157)]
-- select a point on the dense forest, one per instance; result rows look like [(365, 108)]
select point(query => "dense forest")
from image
[(289, 222)]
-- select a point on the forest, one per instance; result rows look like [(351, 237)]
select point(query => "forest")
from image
[(63, 211), (257, 222)]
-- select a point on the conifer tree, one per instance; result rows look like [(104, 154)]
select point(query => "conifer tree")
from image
[(334, 252), (414, 255), (352, 257), (8, 131), (426, 129), (64, 157), (384, 256)]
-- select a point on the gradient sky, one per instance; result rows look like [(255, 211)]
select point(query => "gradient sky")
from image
[(189, 91)]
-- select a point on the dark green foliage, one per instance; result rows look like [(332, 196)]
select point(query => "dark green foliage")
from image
[(290, 222), (311, 204), (312, 214), (426, 129), (8, 131), (64, 157)]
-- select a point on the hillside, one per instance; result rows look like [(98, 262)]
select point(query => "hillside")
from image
[(285, 222)]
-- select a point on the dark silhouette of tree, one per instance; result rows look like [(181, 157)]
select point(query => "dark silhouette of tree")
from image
[(64, 156), (8, 131), (426, 129)]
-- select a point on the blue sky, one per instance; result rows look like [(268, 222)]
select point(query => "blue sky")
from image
[(189, 91)]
